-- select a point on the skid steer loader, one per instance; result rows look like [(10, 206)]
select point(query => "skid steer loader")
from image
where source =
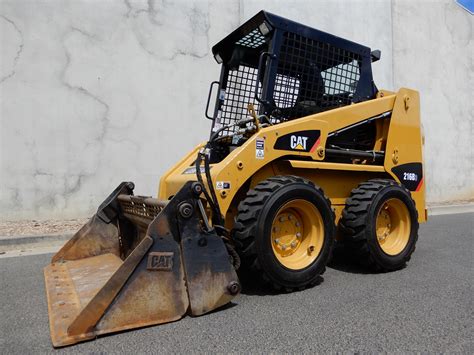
[(304, 151)]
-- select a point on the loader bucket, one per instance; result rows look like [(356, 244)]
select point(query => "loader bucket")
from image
[(137, 262)]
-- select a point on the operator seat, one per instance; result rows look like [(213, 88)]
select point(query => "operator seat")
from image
[(311, 91)]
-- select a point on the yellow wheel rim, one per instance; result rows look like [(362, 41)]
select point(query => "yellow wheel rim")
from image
[(393, 226), (297, 234)]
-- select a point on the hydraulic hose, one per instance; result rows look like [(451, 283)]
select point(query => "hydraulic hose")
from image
[(212, 199), (207, 170)]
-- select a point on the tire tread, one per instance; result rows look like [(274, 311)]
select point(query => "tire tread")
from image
[(246, 224), (355, 218)]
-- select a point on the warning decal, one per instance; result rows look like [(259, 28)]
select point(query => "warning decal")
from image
[(222, 185), (260, 148)]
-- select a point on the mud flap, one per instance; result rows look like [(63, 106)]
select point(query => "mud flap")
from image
[(175, 268)]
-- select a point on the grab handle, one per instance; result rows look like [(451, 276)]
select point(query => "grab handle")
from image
[(209, 99), (263, 56)]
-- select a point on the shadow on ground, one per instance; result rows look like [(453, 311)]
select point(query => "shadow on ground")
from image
[(251, 286), (342, 260)]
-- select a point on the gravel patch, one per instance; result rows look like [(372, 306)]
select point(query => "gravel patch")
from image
[(40, 227)]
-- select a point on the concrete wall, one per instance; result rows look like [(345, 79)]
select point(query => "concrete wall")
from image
[(433, 51), (96, 92)]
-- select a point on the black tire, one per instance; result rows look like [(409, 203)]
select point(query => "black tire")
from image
[(358, 224), (253, 226)]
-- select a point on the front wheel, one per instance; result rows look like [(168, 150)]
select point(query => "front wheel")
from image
[(284, 232)]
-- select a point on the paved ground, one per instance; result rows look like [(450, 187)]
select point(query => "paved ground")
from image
[(427, 307)]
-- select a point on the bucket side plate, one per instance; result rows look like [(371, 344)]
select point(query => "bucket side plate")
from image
[(211, 279), (156, 292)]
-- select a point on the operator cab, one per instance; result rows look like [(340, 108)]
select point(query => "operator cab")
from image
[(286, 70)]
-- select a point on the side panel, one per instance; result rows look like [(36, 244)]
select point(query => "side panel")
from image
[(404, 151)]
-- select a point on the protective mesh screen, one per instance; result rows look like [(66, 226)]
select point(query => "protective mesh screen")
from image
[(313, 76), (239, 92), (253, 40)]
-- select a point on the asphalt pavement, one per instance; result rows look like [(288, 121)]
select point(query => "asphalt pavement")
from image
[(426, 307)]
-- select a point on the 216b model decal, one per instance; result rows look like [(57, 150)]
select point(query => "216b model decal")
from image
[(410, 175)]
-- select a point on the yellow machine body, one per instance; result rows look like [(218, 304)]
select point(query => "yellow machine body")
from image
[(400, 137)]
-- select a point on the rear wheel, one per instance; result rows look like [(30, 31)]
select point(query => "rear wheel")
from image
[(380, 224), (284, 231)]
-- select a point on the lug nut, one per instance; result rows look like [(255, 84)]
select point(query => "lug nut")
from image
[(233, 287), (277, 241), (298, 235), (297, 224), (293, 244), (275, 229), (290, 217), (283, 247), (282, 219)]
